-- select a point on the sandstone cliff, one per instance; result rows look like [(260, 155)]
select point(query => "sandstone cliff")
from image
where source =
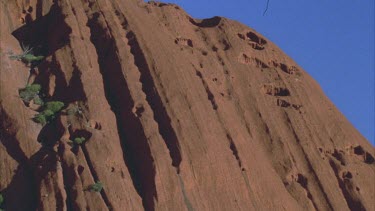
[(177, 114)]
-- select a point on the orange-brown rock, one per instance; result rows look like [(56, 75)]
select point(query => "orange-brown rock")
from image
[(177, 114)]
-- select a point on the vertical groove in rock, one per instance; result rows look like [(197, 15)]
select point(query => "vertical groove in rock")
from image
[(232, 145), (95, 176), (351, 202), (235, 151), (228, 83), (137, 153), (51, 133), (210, 96), (56, 129), (67, 182), (302, 180), (45, 166), (153, 98), (188, 204), (77, 94), (308, 162)]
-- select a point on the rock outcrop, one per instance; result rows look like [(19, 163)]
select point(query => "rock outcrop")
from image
[(174, 113)]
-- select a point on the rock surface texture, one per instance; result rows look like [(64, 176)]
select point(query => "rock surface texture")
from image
[(177, 114)]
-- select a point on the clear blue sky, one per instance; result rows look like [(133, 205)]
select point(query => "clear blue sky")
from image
[(332, 40)]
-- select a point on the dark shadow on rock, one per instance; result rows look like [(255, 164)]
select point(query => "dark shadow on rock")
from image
[(22, 187), (206, 23), (51, 133), (81, 133), (43, 162), (8, 138), (45, 34), (155, 101), (21, 193), (137, 153)]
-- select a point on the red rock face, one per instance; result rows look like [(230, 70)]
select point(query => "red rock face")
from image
[(177, 114)]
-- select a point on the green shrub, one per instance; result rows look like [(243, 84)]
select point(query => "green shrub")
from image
[(31, 92), (97, 187), (34, 87), (40, 118), (25, 50), (38, 100), (26, 56), (54, 106), (79, 140), (29, 58), (49, 112)]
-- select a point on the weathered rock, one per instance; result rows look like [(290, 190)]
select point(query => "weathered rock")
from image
[(177, 114)]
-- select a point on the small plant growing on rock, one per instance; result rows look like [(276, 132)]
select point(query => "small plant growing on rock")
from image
[(75, 110), (78, 141), (31, 93), (30, 58), (97, 187), (38, 101), (40, 118), (54, 106), (49, 112), (76, 114), (26, 56)]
